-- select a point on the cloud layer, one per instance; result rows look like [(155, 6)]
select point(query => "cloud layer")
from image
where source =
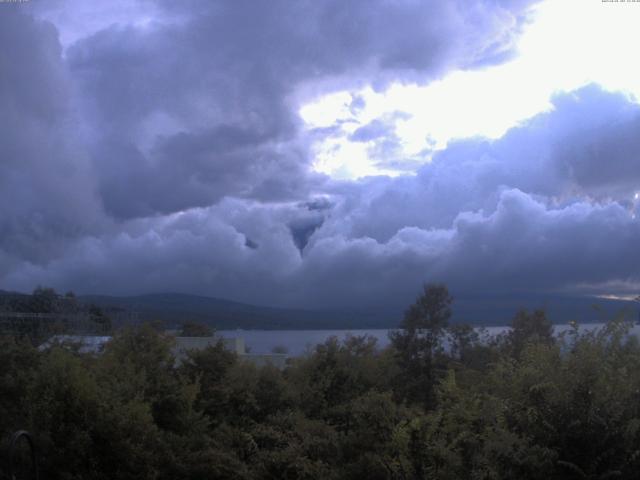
[(163, 151)]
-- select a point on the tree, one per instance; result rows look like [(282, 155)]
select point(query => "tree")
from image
[(210, 368), (102, 321), (462, 338), (419, 341), (45, 300), (528, 328), (195, 329)]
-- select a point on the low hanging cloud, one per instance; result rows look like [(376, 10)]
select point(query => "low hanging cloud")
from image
[(168, 155), (524, 245)]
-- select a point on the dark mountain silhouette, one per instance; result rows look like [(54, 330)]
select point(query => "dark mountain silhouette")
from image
[(490, 310), (173, 308)]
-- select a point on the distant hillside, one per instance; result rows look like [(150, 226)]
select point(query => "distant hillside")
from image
[(500, 309), (173, 309)]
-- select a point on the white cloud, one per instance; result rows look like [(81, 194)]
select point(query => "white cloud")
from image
[(568, 44)]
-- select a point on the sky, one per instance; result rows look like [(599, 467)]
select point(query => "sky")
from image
[(320, 154)]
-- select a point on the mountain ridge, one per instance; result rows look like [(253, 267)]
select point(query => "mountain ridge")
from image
[(172, 309), (485, 310)]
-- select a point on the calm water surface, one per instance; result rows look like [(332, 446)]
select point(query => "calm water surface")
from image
[(297, 342)]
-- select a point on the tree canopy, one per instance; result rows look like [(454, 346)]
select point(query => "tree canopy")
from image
[(441, 402)]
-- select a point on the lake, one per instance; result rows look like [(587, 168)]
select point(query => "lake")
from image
[(297, 342)]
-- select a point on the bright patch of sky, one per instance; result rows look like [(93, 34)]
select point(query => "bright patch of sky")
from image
[(568, 44)]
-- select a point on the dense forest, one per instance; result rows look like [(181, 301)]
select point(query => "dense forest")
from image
[(441, 402)]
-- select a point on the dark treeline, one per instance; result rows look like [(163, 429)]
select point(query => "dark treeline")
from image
[(45, 312), (522, 405), (42, 300)]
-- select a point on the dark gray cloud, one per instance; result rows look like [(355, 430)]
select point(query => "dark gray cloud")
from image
[(208, 103), (47, 194), (524, 245), (302, 230)]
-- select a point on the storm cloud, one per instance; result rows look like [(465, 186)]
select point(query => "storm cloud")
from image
[(47, 187), (205, 106), (166, 153)]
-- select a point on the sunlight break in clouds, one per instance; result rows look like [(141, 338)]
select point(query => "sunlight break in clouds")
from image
[(568, 44)]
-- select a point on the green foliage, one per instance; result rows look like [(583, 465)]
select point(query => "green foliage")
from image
[(45, 313), (418, 344), (528, 328), (525, 405), (19, 364), (45, 300)]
